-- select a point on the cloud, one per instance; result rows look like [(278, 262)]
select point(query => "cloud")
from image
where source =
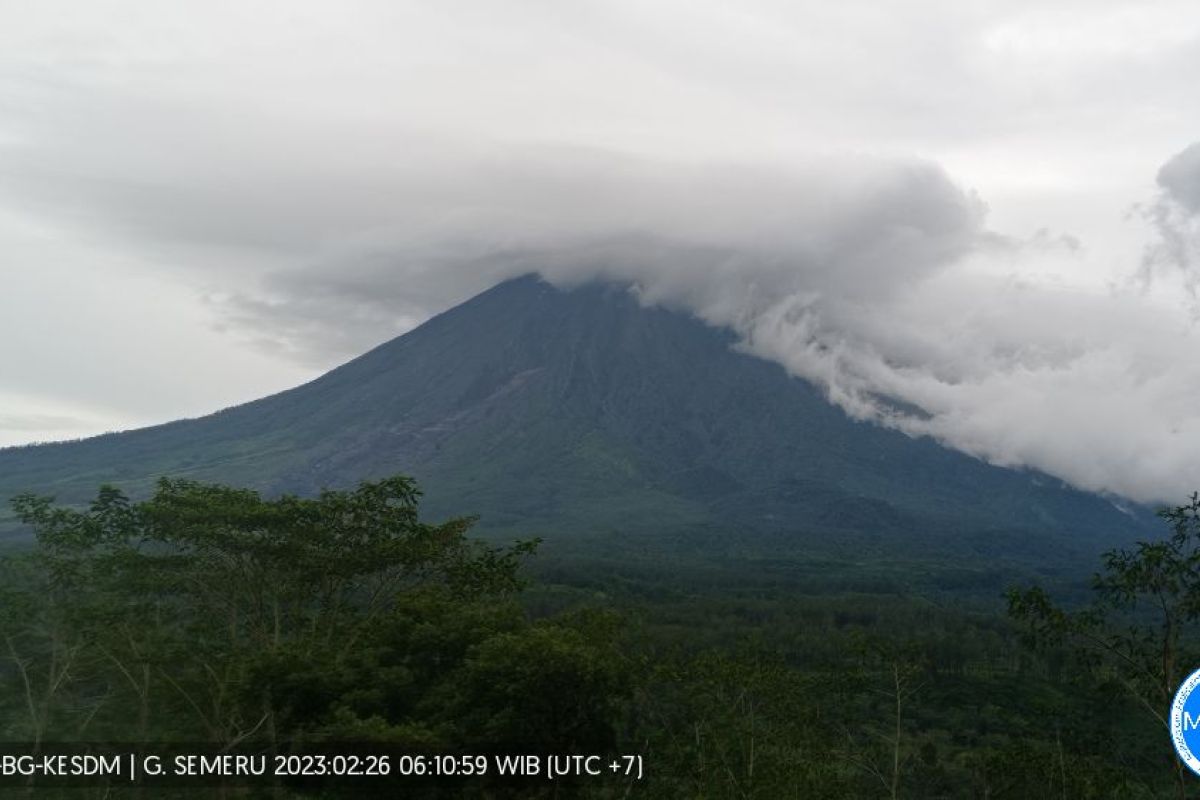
[(877, 279), (328, 178), (1175, 214), (53, 421), (688, 235), (1180, 178), (38, 422)]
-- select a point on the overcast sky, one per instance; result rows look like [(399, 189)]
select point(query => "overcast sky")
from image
[(984, 213)]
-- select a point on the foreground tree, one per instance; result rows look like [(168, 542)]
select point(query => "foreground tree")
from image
[(208, 612), (1146, 608)]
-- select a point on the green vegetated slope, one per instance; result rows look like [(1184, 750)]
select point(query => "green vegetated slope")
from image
[(583, 412)]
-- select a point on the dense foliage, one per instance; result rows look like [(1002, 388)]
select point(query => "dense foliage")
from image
[(208, 613)]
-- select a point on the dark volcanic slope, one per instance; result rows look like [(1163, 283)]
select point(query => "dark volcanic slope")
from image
[(571, 411)]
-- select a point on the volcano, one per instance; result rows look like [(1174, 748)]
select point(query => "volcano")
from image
[(565, 412)]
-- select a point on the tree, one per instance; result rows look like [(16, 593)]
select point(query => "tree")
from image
[(1146, 603), (209, 606), (902, 667)]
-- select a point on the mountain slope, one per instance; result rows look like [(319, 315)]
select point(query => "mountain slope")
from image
[(581, 411)]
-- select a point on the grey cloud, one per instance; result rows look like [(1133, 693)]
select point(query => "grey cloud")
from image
[(854, 273), (1180, 178), (1175, 215), (715, 240), (877, 280)]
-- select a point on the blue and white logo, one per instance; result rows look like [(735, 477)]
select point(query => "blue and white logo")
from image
[(1185, 722)]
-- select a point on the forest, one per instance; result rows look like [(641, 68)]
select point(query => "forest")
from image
[(209, 616)]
